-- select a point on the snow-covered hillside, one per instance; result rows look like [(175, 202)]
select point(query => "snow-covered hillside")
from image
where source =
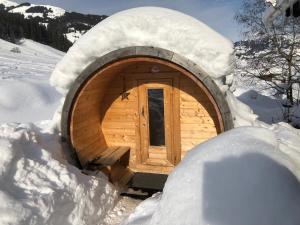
[(32, 10), (26, 95), (52, 12), (8, 3), (72, 24)]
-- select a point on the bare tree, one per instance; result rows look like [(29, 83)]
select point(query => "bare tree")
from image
[(278, 64)]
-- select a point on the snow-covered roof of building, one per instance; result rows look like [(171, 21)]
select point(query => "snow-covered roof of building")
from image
[(147, 26)]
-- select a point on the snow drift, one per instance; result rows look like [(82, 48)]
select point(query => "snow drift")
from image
[(38, 186), (245, 176)]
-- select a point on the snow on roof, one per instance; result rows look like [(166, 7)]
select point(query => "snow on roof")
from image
[(147, 26)]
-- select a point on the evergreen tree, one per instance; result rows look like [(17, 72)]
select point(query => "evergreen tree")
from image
[(14, 27)]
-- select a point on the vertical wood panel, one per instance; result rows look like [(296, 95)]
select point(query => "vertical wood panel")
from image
[(198, 118), (85, 131), (106, 113)]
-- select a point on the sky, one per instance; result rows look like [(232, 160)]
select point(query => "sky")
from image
[(218, 14)]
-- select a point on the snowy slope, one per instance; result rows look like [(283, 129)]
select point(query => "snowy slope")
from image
[(72, 24), (26, 95), (8, 3), (53, 12)]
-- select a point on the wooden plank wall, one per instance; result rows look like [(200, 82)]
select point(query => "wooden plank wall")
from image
[(105, 113), (198, 119), (120, 118), (119, 114), (85, 128)]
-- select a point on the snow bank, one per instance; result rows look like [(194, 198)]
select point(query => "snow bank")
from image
[(242, 114), (37, 186), (261, 104), (245, 176), (144, 211), (147, 26)]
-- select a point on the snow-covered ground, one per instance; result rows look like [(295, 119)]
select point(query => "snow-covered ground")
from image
[(249, 175), (260, 95), (123, 208), (37, 185), (245, 176), (26, 95), (74, 35)]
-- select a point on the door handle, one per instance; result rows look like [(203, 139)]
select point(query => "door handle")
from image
[(142, 111)]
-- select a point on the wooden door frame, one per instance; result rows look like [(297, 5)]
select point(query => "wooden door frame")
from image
[(143, 102), (174, 155)]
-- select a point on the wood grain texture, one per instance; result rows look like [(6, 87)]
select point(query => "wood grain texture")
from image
[(106, 113), (111, 155), (167, 151)]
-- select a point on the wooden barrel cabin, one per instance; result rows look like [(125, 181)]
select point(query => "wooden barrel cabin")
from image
[(140, 109)]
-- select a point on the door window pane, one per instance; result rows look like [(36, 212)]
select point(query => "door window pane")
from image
[(156, 117)]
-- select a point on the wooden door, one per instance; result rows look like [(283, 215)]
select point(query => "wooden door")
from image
[(156, 122)]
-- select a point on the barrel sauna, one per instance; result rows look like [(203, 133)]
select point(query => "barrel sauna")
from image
[(152, 100)]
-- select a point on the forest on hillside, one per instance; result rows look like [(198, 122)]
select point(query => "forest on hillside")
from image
[(45, 30), (14, 27)]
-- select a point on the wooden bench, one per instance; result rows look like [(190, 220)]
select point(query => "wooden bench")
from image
[(114, 163)]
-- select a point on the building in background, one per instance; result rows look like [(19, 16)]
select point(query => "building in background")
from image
[(281, 7)]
